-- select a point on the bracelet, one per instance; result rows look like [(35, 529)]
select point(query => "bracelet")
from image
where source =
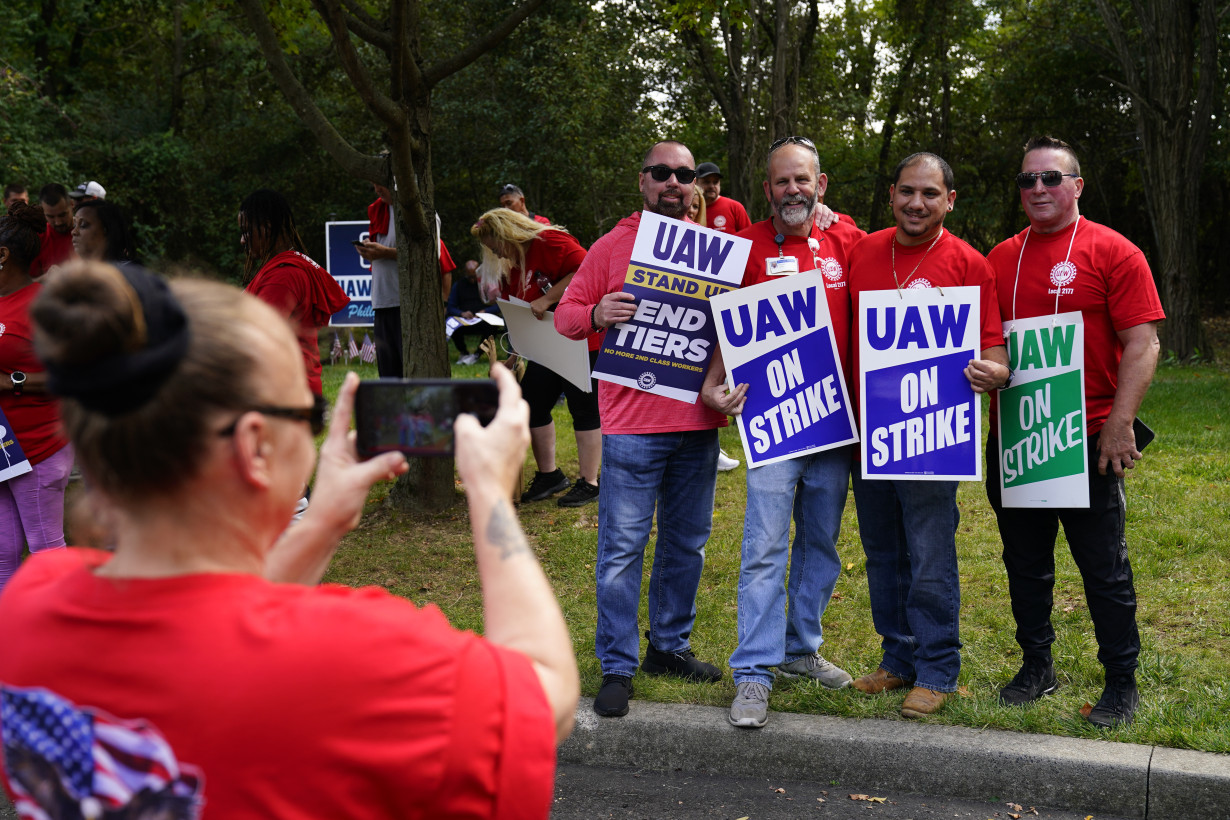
[(1008, 382), (593, 321)]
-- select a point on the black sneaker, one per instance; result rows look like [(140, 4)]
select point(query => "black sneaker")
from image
[(612, 700), (1036, 678), (581, 494), (679, 664), (545, 485), (1118, 703)]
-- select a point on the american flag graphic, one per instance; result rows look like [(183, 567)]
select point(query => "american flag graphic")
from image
[(352, 349), (368, 353), (335, 352), (58, 755)]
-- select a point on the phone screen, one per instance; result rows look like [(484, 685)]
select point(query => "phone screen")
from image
[(415, 416)]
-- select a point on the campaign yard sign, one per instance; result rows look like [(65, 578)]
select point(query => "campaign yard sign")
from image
[(676, 268), (352, 272), (1043, 457), (920, 416), (777, 338), (14, 462)]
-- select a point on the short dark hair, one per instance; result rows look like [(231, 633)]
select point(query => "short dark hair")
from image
[(1043, 141), (13, 188), (509, 188), (52, 193), (928, 157), (652, 148), (20, 228), (114, 223)]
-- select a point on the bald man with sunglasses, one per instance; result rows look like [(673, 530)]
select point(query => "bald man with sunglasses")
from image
[(658, 455), (1060, 264)]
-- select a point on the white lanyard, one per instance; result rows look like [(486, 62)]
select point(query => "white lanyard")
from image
[(1058, 288)]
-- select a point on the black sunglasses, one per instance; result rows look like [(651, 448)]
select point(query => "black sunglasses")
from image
[(661, 173), (315, 416), (509, 188), (804, 141), (1050, 179)]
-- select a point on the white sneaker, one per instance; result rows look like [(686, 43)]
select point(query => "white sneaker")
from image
[(750, 709), (469, 358), (725, 462)]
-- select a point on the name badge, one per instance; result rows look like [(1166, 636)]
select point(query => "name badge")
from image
[(781, 265)]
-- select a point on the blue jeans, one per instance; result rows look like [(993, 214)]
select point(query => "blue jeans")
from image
[(814, 489), (909, 536), (677, 474)]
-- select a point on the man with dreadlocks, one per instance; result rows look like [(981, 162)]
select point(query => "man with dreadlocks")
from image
[(286, 277)]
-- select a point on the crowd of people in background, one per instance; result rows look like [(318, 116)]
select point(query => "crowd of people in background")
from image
[(189, 408)]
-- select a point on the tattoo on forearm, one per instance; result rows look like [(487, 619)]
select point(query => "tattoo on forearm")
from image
[(505, 533)]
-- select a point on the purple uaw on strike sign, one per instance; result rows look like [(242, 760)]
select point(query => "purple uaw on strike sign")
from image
[(777, 338), (676, 268), (921, 419)]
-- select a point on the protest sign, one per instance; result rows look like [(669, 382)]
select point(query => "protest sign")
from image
[(676, 268), (539, 341), (777, 338), (352, 272), (1043, 457), (14, 462), (920, 417)]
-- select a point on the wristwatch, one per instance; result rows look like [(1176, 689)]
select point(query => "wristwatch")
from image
[(19, 381), (1008, 382)]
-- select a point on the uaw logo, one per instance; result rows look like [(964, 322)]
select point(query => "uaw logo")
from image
[(919, 284), (831, 269), (646, 380), (719, 222), (1063, 273), (2, 328)]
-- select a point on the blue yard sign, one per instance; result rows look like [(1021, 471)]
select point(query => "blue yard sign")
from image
[(352, 272), (920, 418), (676, 268)]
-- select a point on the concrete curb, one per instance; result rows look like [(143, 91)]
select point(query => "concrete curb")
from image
[(1120, 779)]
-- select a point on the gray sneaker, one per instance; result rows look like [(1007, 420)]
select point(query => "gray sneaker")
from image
[(750, 709), (817, 668)]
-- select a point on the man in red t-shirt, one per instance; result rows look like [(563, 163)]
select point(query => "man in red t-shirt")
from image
[(1063, 263), (721, 212), (513, 198), (908, 528), (57, 241), (810, 489)]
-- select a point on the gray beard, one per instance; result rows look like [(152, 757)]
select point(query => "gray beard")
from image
[(795, 217)]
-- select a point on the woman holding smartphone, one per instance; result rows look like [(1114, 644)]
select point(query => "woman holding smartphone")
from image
[(202, 661), (534, 263)]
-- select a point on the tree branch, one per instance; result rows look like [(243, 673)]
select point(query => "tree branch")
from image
[(380, 105), (352, 161), (479, 47), (378, 38)]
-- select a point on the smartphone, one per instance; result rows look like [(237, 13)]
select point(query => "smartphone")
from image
[(356, 242), (1144, 434), (415, 416)]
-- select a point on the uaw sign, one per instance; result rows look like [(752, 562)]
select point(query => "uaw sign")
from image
[(1043, 453), (777, 338), (352, 272), (676, 268), (920, 417)]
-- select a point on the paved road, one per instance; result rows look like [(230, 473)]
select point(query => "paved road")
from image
[(589, 793)]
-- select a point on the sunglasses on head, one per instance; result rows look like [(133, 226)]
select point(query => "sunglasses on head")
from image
[(804, 141), (315, 416), (1051, 179), (661, 173)]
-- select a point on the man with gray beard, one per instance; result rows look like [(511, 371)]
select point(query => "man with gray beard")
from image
[(778, 629)]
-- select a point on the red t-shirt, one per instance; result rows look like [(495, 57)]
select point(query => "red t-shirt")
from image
[(549, 258), (832, 258), (1109, 283), (306, 295), (540, 219), (281, 700), (34, 416), (726, 215), (54, 248), (623, 409), (951, 263)]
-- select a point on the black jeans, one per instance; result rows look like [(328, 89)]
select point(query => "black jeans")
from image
[(387, 330), (1097, 537)]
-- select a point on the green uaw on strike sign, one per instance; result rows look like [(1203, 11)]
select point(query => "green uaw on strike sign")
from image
[(1043, 457)]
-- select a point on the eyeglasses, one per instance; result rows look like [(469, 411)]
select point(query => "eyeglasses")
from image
[(661, 173), (1050, 179), (509, 188), (804, 141), (315, 416)]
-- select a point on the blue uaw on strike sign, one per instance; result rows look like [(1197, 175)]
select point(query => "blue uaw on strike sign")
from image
[(352, 272), (920, 417), (676, 268), (777, 338)]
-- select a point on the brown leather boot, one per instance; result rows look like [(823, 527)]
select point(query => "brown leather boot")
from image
[(877, 682), (922, 702)]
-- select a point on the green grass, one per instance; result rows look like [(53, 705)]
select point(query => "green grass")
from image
[(1178, 531)]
